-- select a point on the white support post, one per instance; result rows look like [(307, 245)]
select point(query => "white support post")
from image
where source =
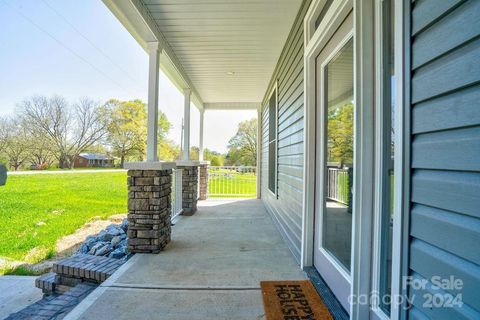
[(152, 116), (186, 125), (259, 153), (200, 151)]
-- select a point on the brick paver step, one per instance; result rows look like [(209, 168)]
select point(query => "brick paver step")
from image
[(46, 282), (87, 267)]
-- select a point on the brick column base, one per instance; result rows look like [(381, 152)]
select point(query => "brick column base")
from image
[(149, 210), (189, 189), (203, 169)]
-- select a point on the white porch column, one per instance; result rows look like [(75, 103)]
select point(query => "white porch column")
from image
[(259, 153), (186, 125), (152, 116), (200, 151)]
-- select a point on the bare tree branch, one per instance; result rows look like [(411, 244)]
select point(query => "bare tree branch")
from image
[(4, 133), (17, 145), (71, 129)]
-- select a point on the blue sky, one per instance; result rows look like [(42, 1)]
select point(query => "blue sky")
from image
[(78, 48)]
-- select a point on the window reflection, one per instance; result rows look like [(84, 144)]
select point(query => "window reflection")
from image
[(337, 218)]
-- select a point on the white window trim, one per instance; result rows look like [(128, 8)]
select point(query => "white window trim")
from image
[(365, 155), (402, 152), (274, 90), (311, 17), (377, 312)]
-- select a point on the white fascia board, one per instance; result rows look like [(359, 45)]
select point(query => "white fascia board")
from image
[(135, 17), (232, 106)]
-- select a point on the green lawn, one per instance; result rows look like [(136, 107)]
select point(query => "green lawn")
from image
[(226, 183), (37, 210)]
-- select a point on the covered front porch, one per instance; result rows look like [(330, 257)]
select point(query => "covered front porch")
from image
[(211, 269), (209, 263)]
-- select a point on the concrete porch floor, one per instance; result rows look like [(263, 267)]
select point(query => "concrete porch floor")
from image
[(211, 270)]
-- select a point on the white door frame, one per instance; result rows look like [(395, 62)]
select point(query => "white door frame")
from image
[(364, 135), (376, 312), (326, 263), (337, 13)]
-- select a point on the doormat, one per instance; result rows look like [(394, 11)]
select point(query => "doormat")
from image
[(293, 300)]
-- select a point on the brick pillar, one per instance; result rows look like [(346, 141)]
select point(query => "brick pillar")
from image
[(203, 169), (189, 190), (149, 210)]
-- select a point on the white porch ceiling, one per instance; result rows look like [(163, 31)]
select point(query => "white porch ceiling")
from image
[(212, 39)]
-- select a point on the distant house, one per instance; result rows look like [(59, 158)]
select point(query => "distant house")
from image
[(87, 160)]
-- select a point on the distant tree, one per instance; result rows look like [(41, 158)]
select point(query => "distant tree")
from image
[(127, 130), (70, 128), (164, 126), (216, 161), (233, 158), (340, 134), (4, 133), (242, 148), (41, 153), (168, 150), (215, 158), (17, 147), (194, 153), (97, 148)]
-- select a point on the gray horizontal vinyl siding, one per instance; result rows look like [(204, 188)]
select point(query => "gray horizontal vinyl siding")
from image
[(286, 208), (445, 152)]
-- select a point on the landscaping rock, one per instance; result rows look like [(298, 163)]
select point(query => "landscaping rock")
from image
[(124, 225), (91, 240), (118, 253), (105, 236), (84, 248), (104, 250), (97, 246), (115, 241), (110, 242), (114, 229)]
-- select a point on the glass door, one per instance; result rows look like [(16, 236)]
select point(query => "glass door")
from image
[(334, 162)]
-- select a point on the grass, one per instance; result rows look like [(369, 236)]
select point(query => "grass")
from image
[(37, 210), (225, 183), (79, 169)]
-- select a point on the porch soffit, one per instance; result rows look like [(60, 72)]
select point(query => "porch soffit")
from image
[(227, 50)]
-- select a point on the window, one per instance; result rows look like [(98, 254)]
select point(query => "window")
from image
[(272, 142), (315, 15), (339, 155), (322, 13)]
